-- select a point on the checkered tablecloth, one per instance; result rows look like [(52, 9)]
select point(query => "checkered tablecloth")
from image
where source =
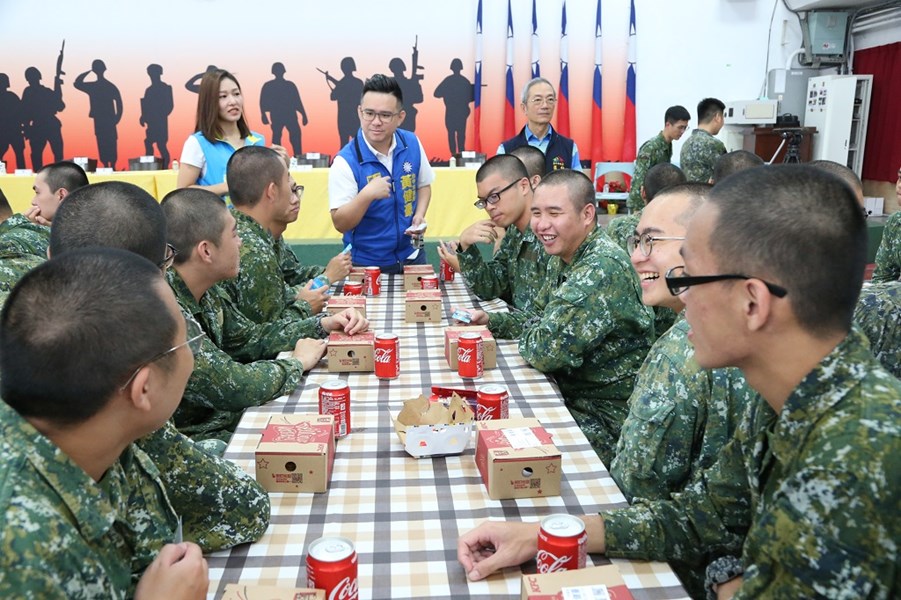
[(404, 514)]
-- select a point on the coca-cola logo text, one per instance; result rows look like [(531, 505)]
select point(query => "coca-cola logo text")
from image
[(383, 355), (548, 563), (345, 590), (464, 355)]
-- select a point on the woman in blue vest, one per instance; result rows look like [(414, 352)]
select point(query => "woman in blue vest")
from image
[(220, 129)]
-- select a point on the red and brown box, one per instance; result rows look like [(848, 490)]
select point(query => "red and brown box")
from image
[(551, 586), (296, 453), (351, 352), (452, 340), (239, 591), (337, 304), (423, 306), (517, 459), (357, 274), (413, 275)]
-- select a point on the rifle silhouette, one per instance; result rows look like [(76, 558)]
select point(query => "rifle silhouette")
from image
[(58, 80), (415, 67), (330, 80)]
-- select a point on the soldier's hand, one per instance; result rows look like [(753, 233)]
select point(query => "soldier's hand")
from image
[(379, 187), (179, 573), (316, 298), (478, 232), (477, 317), (305, 120), (33, 214), (447, 251), (308, 351), (349, 320), (338, 267), (494, 545)]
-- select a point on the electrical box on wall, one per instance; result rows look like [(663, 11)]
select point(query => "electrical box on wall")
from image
[(827, 32), (750, 112)]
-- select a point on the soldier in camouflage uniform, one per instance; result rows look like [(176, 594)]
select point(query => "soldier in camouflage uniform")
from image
[(204, 234), (888, 257), (656, 150), (589, 328), (878, 314), (220, 504), (516, 273), (267, 199), (808, 489), (85, 510), (680, 415), (14, 265), (701, 149)]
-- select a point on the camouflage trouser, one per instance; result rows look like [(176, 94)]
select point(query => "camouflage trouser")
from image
[(601, 425)]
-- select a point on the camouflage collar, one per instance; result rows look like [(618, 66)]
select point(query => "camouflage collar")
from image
[(248, 225), (85, 498), (183, 294), (585, 246)]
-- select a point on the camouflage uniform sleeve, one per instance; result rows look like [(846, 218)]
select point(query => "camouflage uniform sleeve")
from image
[(491, 279), (220, 505), (620, 228), (888, 257), (247, 341), (293, 272), (710, 516), (643, 161), (220, 383)]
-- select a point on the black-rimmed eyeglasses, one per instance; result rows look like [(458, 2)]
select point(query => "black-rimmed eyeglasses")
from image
[(678, 282), (493, 197), (171, 252), (194, 335), (297, 190)]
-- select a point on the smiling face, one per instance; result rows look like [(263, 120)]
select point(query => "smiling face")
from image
[(231, 102), (560, 227), (658, 220), (539, 105), (380, 130)]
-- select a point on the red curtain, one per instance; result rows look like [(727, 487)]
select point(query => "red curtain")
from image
[(882, 156)]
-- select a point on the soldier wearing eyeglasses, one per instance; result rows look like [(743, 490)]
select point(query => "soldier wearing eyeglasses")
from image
[(539, 100), (380, 183), (809, 481)]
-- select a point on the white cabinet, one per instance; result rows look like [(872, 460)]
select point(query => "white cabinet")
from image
[(838, 106)]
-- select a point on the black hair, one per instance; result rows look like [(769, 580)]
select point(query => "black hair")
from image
[(677, 113), (64, 175), (733, 162), (505, 164), (532, 158), (249, 171), (660, 177), (383, 85), (579, 187), (192, 216), (708, 108)]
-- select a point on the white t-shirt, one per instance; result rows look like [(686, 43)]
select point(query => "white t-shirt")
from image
[(342, 186), (192, 154)]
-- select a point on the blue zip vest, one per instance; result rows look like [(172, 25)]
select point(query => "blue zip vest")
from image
[(379, 239), (217, 154)]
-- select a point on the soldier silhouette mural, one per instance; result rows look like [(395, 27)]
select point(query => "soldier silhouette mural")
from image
[(193, 84), (11, 118), (346, 92), (40, 105), (457, 93), (106, 110), (156, 106), (279, 104), (410, 87)]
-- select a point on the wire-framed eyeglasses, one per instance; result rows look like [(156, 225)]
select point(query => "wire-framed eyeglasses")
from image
[(645, 242), (194, 337)]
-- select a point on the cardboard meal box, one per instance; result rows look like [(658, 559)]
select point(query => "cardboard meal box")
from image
[(357, 274), (517, 459), (432, 429), (592, 583), (423, 306), (452, 340), (413, 275), (238, 591), (337, 304), (296, 453), (351, 352)]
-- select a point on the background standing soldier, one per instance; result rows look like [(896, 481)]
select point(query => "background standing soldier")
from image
[(701, 149), (156, 106), (11, 123), (281, 99), (40, 105), (656, 150), (106, 110), (457, 92), (346, 93)]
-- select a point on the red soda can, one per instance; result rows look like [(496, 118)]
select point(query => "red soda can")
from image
[(334, 399), (470, 360), (492, 402), (429, 282), (353, 288), (562, 544), (447, 271), (387, 356), (332, 566), (373, 281)]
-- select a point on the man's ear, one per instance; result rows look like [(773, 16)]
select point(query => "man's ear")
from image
[(139, 390), (757, 304)]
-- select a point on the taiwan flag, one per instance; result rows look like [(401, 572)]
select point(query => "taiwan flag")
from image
[(477, 86), (536, 45), (509, 110), (563, 99), (629, 146), (597, 112)]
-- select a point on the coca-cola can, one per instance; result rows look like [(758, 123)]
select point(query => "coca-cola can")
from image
[(353, 288), (470, 359), (447, 271), (373, 280), (562, 544), (332, 566), (387, 356), (334, 399), (429, 282), (492, 402)]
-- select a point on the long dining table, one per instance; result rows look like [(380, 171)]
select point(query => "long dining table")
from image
[(403, 514)]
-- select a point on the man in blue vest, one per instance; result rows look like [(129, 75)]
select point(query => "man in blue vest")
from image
[(380, 183), (538, 103)]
